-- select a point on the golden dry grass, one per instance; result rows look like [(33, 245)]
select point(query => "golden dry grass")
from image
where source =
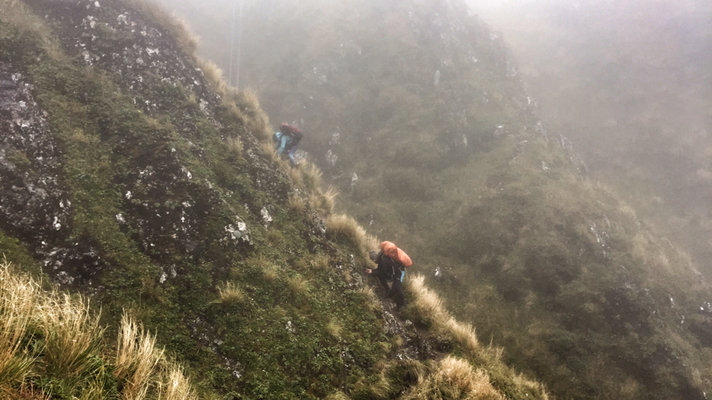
[(334, 328), (296, 203), (175, 385), (454, 378), (230, 293), (337, 396), (72, 334), (275, 236), (343, 226), (296, 175), (137, 359), (17, 297)]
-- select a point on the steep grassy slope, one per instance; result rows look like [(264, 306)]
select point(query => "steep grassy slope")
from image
[(415, 110), (134, 176)]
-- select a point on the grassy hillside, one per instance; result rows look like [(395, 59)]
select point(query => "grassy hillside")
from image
[(415, 112), (132, 175)]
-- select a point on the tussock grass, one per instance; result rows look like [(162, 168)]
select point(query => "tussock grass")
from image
[(137, 359), (275, 236), (320, 262), (67, 346), (234, 144), (17, 297), (296, 175), (454, 378), (312, 176), (337, 396), (426, 302), (230, 293), (267, 149), (72, 335), (270, 273), (323, 202), (334, 328), (296, 203), (175, 385), (297, 285), (370, 298), (343, 226)]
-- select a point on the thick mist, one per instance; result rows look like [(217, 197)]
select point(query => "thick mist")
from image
[(629, 82)]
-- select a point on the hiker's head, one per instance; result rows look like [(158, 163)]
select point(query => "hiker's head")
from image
[(284, 127), (372, 255)]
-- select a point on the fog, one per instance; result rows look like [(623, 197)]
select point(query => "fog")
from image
[(627, 81)]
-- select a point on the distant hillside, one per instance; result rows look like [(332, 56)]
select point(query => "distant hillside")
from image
[(147, 197), (415, 111), (629, 82)]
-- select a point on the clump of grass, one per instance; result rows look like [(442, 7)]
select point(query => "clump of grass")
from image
[(454, 378), (334, 328), (431, 311), (230, 293), (312, 176), (136, 359), (72, 335), (296, 175), (234, 144), (270, 273), (343, 226), (258, 122), (297, 285), (175, 385), (296, 203), (267, 149), (214, 75), (370, 298), (275, 236), (320, 262), (17, 297), (323, 202), (337, 396)]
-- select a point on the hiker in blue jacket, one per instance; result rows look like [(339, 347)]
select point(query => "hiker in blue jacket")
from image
[(286, 140)]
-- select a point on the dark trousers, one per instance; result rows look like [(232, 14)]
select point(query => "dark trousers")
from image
[(382, 277), (397, 291)]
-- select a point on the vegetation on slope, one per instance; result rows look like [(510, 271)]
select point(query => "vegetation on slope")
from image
[(133, 176), (415, 112)]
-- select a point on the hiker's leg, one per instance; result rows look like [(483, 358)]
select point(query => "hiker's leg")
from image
[(291, 156), (398, 291), (381, 278)]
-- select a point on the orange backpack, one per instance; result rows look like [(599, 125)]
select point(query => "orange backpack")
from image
[(394, 253)]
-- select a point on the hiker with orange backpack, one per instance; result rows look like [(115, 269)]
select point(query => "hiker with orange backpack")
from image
[(287, 139), (392, 263)]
